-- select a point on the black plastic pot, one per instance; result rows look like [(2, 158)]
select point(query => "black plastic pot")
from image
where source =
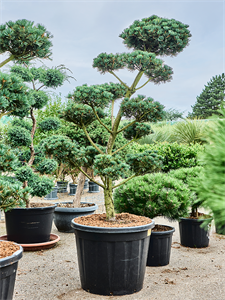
[(8, 268), (64, 215), (192, 235), (62, 186), (86, 184), (112, 261), (93, 187), (29, 225), (160, 247), (52, 195), (73, 188)]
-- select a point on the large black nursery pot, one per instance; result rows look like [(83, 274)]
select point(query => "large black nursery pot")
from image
[(8, 268), (112, 261), (191, 233), (64, 215), (160, 247), (62, 186), (29, 225)]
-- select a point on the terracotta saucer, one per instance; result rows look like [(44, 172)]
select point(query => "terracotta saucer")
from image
[(54, 238)]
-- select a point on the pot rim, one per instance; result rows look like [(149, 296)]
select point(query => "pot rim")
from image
[(172, 230), (12, 258), (75, 209), (95, 229), (33, 208)]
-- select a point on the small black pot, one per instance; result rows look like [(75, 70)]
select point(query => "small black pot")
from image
[(160, 247), (192, 235), (29, 225), (64, 215), (93, 187), (86, 184), (73, 188), (62, 186), (8, 268), (112, 261), (52, 195)]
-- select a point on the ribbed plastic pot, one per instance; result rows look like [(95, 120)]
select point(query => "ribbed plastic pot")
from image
[(112, 261), (29, 225), (62, 186), (73, 188), (192, 235), (160, 247), (64, 215), (8, 268), (93, 187), (86, 184), (52, 195)]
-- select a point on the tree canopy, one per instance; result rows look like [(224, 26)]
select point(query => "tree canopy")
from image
[(210, 99)]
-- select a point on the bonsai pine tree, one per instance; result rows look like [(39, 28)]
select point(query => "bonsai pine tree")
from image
[(148, 39), (40, 78), (24, 41), (210, 99)]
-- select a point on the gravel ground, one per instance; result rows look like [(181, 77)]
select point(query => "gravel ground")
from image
[(192, 273)]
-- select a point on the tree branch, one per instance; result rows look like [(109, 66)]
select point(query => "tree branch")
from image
[(90, 140), (124, 181), (7, 60), (125, 127), (94, 111), (143, 84), (133, 140), (89, 177), (123, 83)]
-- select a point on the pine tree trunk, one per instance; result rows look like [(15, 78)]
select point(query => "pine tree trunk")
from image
[(109, 206), (80, 187)]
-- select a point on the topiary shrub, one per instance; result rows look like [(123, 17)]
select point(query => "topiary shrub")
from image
[(49, 124), (47, 166), (22, 123), (174, 155), (19, 136), (154, 195), (40, 185)]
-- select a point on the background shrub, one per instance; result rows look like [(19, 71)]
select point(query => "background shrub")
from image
[(153, 195)]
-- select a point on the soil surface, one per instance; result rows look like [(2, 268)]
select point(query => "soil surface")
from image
[(70, 205), (7, 249), (40, 204), (122, 220), (158, 228)]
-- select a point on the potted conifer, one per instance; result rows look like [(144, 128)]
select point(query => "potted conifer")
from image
[(104, 239), (192, 234)]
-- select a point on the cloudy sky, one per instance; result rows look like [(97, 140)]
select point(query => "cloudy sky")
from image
[(84, 29)]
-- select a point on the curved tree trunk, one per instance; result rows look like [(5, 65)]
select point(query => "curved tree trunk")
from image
[(30, 162), (80, 187)]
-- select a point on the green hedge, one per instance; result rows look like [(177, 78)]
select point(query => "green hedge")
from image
[(154, 195), (174, 155)]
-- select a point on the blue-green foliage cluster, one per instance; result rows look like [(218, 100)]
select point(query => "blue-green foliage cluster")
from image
[(19, 136), (142, 109), (49, 123), (137, 130), (8, 159), (157, 35), (22, 123), (47, 166), (110, 166), (24, 40), (154, 195)]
